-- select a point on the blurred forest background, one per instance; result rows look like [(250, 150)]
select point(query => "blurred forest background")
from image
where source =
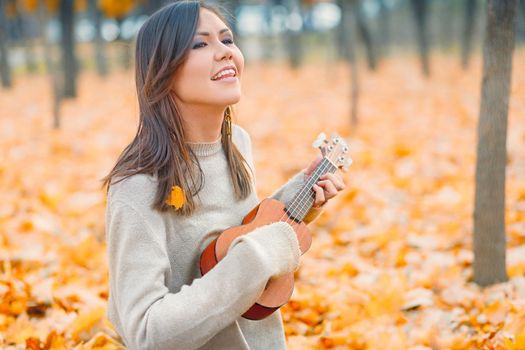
[(98, 34), (424, 250)]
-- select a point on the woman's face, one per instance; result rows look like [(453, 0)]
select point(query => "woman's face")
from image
[(212, 50)]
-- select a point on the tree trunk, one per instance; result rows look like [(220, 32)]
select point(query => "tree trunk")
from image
[(466, 47), (100, 47), (420, 9), (125, 47), (522, 12), (42, 24), (384, 15), (446, 11), (364, 33), (52, 69), (30, 55), (489, 211), (342, 32), (346, 39), (352, 57), (5, 72), (69, 64), (293, 35), (26, 39), (293, 40), (57, 100)]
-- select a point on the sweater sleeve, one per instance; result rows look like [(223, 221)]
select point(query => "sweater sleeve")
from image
[(287, 191), (149, 315)]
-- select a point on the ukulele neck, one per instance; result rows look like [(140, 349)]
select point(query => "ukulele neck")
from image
[(304, 199)]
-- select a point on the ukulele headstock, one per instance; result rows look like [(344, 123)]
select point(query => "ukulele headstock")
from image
[(334, 149)]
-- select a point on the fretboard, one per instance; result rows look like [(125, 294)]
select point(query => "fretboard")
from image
[(304, 199)]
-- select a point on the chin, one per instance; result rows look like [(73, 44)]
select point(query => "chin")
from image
[(231, 100)]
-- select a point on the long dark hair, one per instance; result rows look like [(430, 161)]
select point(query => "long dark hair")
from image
[(159, 148)]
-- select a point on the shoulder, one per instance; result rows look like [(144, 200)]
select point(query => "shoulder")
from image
[(137, 191), (130, 212)]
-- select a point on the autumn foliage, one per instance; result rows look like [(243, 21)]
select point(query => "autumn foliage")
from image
[(110, 8), (116, 9), (390, 263)]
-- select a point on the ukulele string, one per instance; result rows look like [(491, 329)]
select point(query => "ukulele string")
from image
[(303, 201), (298, 200)]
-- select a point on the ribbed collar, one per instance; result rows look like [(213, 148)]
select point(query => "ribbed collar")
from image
[(203, 149)]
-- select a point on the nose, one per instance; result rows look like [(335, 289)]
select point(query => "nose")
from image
[(224, 52)]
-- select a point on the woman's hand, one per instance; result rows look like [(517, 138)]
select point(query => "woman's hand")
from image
[(328, 185)]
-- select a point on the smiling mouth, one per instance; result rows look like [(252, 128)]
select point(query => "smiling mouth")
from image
[(225, 74), (226, 77)]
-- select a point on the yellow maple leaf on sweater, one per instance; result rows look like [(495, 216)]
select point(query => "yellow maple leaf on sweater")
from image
[(176, 198)]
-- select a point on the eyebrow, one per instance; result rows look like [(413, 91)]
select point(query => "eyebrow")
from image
[(220, 32)]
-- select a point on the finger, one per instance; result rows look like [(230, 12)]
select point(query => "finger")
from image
[(329, 188), (336, 180), (319, 195), (313, 164)]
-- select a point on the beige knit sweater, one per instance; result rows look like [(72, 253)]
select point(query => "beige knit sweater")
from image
[(158, 299)]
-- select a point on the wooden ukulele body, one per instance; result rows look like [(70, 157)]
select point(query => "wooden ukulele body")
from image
[(278, 289)]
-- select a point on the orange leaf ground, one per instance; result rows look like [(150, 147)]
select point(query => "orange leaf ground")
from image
[(390, 265)]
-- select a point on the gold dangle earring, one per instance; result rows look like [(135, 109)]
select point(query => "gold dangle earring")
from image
[(228, 118)]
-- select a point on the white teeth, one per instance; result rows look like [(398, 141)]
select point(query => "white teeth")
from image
[(224, 72)]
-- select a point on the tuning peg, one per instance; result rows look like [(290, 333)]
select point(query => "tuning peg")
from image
[(319, 141), (347, 164)]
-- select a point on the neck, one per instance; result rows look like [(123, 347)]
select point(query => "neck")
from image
[(202, 123)]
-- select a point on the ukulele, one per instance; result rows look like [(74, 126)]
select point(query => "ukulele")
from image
[(279, 289)]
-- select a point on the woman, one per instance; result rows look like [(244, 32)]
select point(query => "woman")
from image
[(186, 147)]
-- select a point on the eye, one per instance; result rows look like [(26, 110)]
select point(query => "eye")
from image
[(201, 44)]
